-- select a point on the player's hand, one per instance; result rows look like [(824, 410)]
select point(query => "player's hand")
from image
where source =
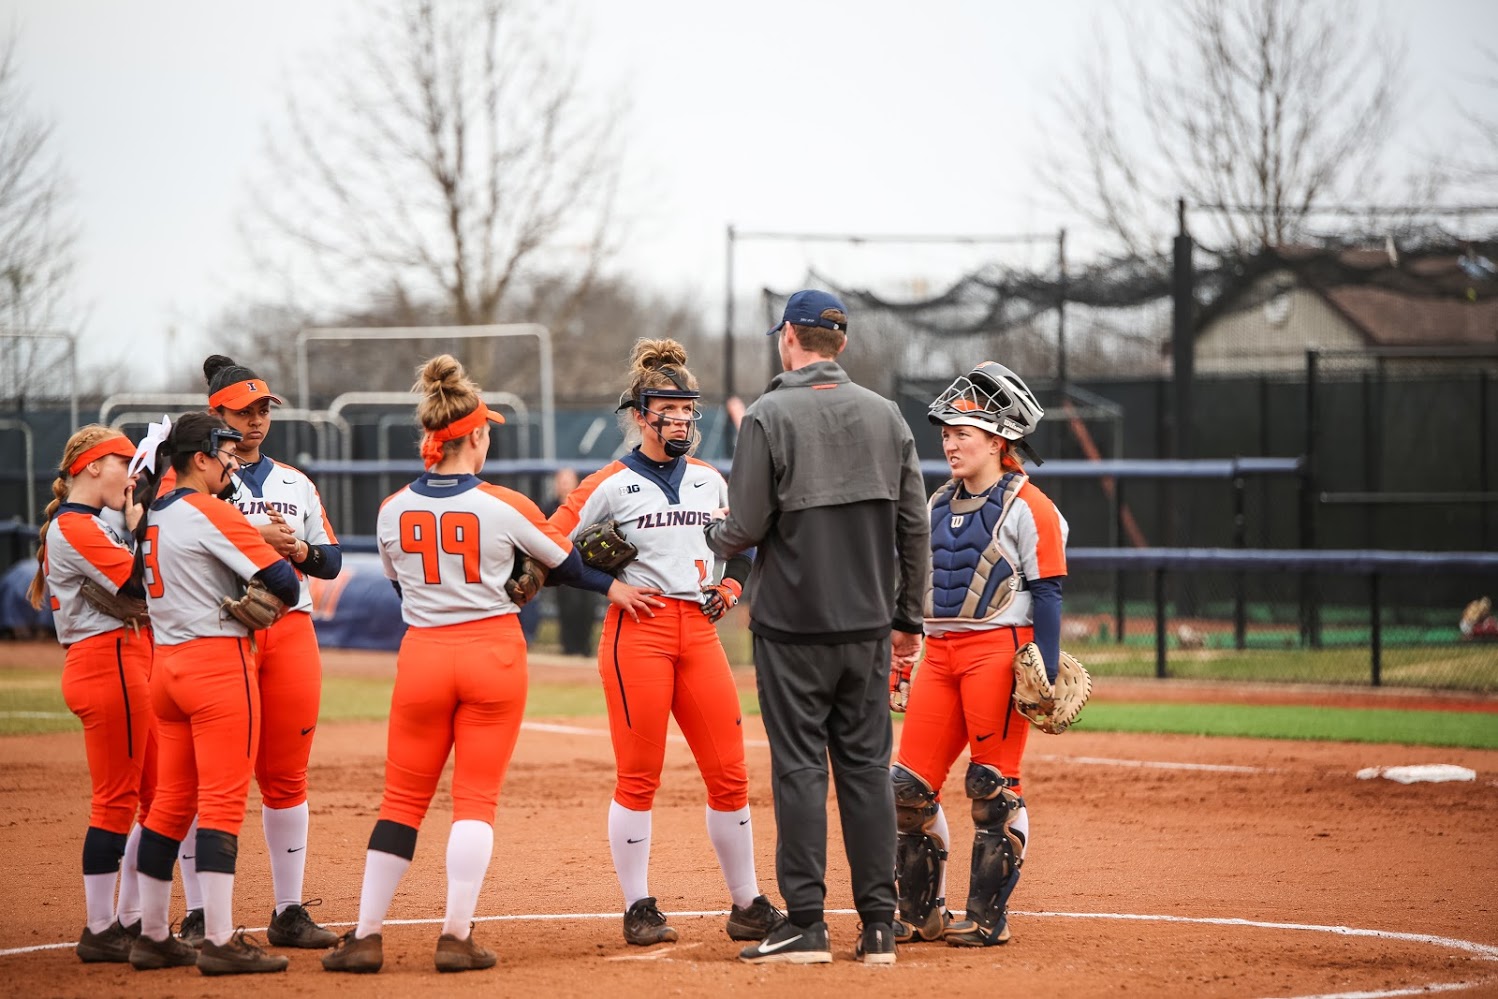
[(904, 645), (719, 514), (900, 671), (278, 534), (132, 510), (635, 600), (720, 598)]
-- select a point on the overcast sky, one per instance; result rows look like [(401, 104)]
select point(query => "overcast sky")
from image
[(938, 110)]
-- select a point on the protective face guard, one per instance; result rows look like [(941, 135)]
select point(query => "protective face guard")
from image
[(965, 403), (218, 437)]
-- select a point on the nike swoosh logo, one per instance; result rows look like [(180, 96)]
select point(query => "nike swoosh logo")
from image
[(288, 482), (982, 737), (640, 840), (306, 730), (295, 849), (743, 822), (187, 856), (698, 485), (770, 948)]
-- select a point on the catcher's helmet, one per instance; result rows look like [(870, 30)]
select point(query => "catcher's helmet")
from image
[(989, 397)]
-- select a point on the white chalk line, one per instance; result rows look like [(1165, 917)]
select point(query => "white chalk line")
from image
[(1483, 951)]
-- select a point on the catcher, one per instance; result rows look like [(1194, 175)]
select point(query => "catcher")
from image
[(992, 613)]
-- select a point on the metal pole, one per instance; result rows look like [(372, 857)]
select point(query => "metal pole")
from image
[(1309, 628), (1484, 530), (73, 381), (301, 369), (1375, 615), (1240, 540), (1160, 624), (1118, 575), (728, 372), (1061, 310)]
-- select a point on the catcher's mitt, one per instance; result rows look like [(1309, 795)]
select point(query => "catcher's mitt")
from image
[(604, 548), (1053, 708), (525, 580), (258, 609), (130, 610)]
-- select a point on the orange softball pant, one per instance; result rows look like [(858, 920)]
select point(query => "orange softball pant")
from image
[(207, 705), (671, 665), (963, 695), (106, 683), (458, 689), (290, 667)]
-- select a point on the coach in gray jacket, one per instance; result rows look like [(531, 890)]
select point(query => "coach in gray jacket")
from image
[(826, 483)]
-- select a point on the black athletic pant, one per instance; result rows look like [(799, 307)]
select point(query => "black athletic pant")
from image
[(821, 701)]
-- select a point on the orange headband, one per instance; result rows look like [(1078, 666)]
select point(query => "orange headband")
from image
[(465, 425), (113, 445)]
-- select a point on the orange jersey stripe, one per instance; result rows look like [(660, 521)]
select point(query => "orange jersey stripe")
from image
[(527, 508), (1050, 549), (566, 518), (90, 541), (233, 525)]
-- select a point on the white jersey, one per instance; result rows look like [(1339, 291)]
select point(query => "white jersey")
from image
[(81, 545), (198, 550), (661, 510), (269, 484), (449, 541)]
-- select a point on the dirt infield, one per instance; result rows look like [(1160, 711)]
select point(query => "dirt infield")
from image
[(1171, 865)]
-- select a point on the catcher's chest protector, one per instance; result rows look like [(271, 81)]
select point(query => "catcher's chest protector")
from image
[(971, 579)]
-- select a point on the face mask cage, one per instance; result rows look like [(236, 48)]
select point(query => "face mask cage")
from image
[(966, 398)]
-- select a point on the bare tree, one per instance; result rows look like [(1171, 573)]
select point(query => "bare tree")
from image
[(1260, 111), (36, 235), (445, 165)]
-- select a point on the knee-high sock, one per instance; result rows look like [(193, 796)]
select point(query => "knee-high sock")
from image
[(286, 840), (939, 826), (382, 875), (98, 900), (732, 836), (128, 910), (1021, 825), (218, 905), (187, 863), (469, 847), (629, 842), (155, 907)]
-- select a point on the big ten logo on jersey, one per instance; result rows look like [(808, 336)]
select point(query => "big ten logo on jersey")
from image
[(626, 490), (455, 534)]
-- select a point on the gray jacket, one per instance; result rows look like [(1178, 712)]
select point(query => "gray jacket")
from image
[(826, 483)]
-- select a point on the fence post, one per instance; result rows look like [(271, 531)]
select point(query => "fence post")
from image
[(1118, 574), (1160, 624), (1375, 620), (1240, 540), (1310, 613)]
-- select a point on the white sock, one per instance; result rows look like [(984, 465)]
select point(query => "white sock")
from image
[(469, 847), (187, 863), (733, 841), (1021, 825), (128, 910), (98, 898), (939, 827), (218, 906), (629, 842), (155, 908), (382, 875), (286, 840)]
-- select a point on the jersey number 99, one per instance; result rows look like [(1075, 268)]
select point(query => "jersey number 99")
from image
[(457, 535)]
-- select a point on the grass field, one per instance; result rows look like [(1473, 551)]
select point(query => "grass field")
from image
[(31, 702)]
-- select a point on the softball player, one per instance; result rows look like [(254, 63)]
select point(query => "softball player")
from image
[(285, 506), (449, 541), (673, 663), (105, 675), (998, 557), (195, 550)]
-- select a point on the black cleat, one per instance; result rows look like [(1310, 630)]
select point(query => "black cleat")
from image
[(295, 928), (754, 921), (791, 944), (109, 947), (240, 956), (151, 955), (644, 925), (876, 944), (356, 955), (463, 955), (192, 928)]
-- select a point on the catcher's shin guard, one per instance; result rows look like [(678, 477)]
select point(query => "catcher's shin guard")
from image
[(920, 855), (998, 851)]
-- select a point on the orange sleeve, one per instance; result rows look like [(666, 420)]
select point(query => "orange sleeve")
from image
[(568, 514), (1050, 547), (233, 525), (103, 552)]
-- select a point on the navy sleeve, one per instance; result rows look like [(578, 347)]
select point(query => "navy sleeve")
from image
[(397, 587), (738, 566), (576, 573), (322, 561), (281, 580), (1047, 613)]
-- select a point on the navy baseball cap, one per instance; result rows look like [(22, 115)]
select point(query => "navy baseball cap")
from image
[(805, 308)]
